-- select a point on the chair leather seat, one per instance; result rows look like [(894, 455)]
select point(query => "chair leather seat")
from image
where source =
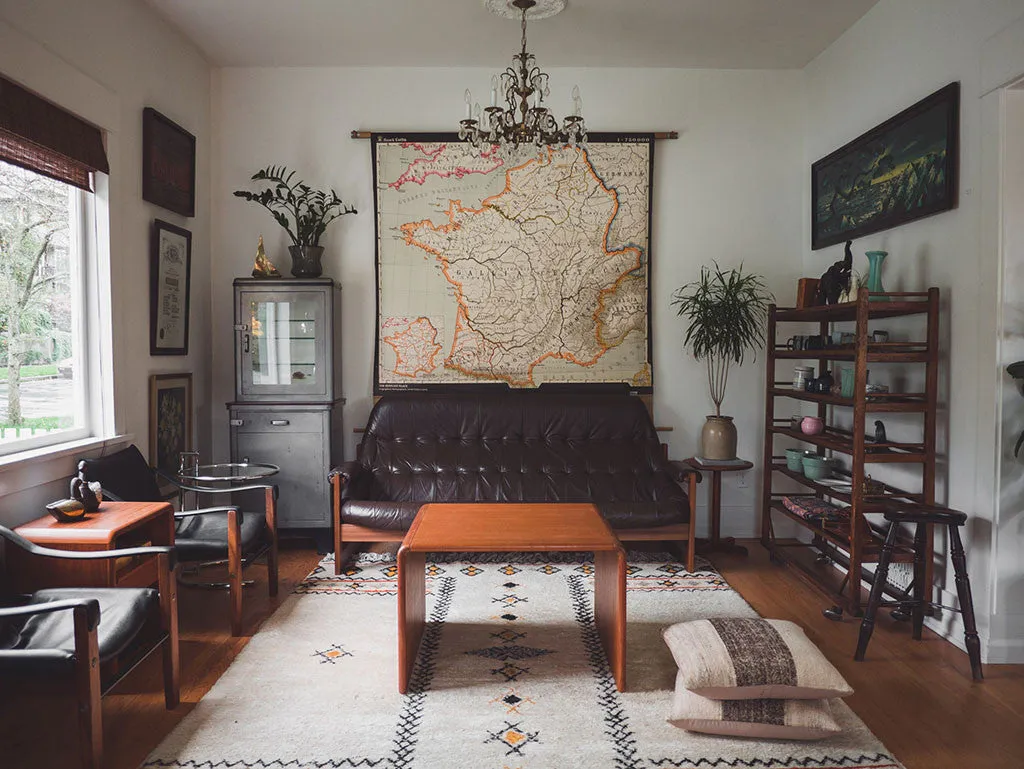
[(205, 537), (47, 641)]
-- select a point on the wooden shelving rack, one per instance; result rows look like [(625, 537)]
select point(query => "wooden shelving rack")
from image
[(852, 544)]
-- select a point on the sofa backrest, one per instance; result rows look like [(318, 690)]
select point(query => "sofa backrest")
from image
[(518, 447)]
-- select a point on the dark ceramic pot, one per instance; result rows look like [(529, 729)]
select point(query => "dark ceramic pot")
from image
[(306, 261)]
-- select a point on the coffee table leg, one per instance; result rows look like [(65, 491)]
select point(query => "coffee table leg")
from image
[(610, 609), (412, 612)]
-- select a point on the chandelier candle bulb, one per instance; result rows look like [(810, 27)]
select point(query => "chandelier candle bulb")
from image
[(494, 90), (469, 105)]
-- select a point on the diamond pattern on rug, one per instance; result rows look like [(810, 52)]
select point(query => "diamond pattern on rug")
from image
[(472, 571), (513, 701), (509, 599), (508, 635), (332, 654), (508, 570), (510, 671), (514, 738), (512, 652), (549, 568)]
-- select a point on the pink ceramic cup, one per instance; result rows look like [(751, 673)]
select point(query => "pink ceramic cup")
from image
[(811, 426)]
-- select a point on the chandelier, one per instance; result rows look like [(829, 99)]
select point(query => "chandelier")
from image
[(523, 121)]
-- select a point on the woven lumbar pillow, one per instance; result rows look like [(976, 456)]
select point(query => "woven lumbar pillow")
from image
[(740, 659), (762, 718)]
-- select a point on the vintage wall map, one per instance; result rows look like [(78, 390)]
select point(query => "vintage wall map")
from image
[(518, 274)]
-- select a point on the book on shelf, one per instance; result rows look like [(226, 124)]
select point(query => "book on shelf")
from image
[(720, 462)]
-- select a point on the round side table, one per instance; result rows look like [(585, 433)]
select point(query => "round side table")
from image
[(717, 544)]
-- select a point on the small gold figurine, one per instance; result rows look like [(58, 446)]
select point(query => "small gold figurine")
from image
[(263, 267)]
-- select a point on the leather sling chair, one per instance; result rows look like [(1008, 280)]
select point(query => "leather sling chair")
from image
[(74, 632), (203, 537)]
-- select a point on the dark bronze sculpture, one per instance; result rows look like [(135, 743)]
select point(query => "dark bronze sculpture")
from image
[(836, 280)]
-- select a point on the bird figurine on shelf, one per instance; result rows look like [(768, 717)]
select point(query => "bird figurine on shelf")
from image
[(880, 432), (263, 267)]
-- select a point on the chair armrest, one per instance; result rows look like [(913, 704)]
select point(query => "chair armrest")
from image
[(229, 489), (680, 470), (91, 606), (87, 555), (352, 477)]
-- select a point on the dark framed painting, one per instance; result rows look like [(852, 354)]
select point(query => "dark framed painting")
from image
[(170, 272), (168, 164), (902, 170), (170, 419)]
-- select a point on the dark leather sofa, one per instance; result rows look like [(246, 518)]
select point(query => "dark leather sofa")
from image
[(512, 447)]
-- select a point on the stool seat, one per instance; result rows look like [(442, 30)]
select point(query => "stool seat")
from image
[(926, 514)]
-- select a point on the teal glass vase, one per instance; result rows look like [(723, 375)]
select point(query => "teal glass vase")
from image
[(875, 259)]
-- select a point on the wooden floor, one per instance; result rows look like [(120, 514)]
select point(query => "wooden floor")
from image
[(917, 697)]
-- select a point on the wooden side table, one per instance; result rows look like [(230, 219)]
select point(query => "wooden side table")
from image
[(115, 525), (717, 544)]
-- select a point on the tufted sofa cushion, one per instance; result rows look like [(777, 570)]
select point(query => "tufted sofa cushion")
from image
[(518, 447)]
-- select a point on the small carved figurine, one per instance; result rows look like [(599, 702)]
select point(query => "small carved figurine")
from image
[(836, 280), (263, 267), (89, 493), (880, 432)]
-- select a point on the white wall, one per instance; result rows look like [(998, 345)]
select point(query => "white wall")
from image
[(727, 189), (106, 60), (899, 52)]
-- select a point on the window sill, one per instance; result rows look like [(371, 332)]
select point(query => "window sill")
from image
[(35, 467)]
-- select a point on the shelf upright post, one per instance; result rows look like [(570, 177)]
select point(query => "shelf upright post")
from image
[(769, 418), (930, 431), (857, 524)]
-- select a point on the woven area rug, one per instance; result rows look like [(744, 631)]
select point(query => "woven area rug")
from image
[(511, 675)]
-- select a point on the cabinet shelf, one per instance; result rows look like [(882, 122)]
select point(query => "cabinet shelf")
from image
[(857, 539), (875, 402)]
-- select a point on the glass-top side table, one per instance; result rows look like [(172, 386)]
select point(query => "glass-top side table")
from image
[(228, 472)]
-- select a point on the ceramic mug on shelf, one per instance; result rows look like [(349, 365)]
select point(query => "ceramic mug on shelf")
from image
[(812, 426)]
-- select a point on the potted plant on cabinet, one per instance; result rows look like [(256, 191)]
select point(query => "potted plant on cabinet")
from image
[(727, 312), (303, 212)]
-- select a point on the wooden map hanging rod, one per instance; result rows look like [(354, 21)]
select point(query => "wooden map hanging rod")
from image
[(657, 134)]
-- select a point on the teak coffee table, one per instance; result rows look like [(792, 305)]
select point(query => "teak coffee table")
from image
[(512, 528)]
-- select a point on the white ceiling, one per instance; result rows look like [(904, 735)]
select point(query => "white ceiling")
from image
[(731, 34)]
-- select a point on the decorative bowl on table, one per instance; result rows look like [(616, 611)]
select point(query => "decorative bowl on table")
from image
[(66, 510), (816, 467)]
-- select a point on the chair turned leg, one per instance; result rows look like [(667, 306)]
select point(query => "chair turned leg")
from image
[(235, 571), (867, 625), (921, 596), (963, 591)]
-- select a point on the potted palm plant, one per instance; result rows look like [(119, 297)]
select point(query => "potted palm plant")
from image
[(303, 212), (726, 311)]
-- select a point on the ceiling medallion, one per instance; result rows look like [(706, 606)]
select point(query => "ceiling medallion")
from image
[(523, 121)]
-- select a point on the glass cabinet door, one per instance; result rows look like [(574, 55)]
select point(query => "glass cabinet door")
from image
[(282, 343)]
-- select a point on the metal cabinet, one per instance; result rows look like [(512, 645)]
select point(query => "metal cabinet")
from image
[(288, 409)]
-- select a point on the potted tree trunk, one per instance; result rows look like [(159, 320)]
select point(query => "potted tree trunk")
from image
[(727, 312)]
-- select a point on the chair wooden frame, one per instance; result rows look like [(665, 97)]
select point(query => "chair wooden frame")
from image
[(86, 616)]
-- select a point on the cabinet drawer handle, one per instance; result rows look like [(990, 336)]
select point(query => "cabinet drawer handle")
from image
[(237, 422), (279, 422)]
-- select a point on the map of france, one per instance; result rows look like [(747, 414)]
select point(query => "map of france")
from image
[(538, 270)]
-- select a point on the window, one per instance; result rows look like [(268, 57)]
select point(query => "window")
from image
[(44, 393)]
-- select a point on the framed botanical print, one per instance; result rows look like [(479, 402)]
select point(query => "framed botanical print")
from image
[(169, 275), (170, 419)]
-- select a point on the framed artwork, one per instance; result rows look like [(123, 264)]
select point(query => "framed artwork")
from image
[(170, 419), (902, 170), (170, 271), (168, 164)]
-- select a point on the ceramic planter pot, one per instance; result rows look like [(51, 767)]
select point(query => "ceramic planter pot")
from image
[(718, 438), (811, 426), (816, 467), (306, 261)]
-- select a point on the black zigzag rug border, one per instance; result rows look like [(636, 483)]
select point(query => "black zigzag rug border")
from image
[(810, 762), (616, 721)]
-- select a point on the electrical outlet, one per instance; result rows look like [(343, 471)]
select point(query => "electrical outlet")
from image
[(741, 480)]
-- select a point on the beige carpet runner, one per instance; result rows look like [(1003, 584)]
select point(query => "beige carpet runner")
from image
[(511, 675)]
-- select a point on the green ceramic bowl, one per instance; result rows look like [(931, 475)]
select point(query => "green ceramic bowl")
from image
[(795, 459), (816, 467)]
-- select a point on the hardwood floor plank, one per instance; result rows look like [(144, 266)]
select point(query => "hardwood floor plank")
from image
[(918, 697)]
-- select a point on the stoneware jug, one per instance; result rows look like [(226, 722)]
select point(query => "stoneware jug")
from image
[(718, 438)]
